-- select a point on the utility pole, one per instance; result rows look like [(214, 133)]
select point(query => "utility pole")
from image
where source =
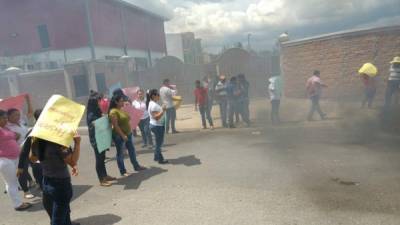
[(89, 29)]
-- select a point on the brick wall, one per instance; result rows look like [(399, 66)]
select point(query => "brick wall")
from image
[(339, 57)]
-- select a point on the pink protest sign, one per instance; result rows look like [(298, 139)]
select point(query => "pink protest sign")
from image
[(131, 92), (16, 102), (134, 113)]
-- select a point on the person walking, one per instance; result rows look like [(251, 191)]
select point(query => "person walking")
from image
[(221, 95), (93, 113), (166, 93), (19, 126), (122, 134), (314, 89), (201, 104), (156, 113), (393, 83), (244, 100), (24, 157), (369, 90), (57, 185), (275, 94), (144, 124), (9, 152)]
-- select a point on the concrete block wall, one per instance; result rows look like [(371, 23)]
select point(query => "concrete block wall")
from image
[(339, 57)]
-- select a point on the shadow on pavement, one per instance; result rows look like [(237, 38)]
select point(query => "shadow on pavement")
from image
[(106, 219), (190, 160), (134, 181)]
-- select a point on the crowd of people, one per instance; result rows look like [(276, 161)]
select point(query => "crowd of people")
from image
[(50, 161)]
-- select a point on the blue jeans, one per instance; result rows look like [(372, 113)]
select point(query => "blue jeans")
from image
[(144, 126), (57, 195), (119, 145), (205, 113), (315, 107), (159, 136), (170, 117)]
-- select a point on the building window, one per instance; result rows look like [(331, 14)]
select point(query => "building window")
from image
[(81, 85), (101, 83), (44, 36)]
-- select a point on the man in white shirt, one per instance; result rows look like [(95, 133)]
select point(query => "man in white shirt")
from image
[(166, 94)]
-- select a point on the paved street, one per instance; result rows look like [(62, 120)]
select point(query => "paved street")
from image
[(330, 172)]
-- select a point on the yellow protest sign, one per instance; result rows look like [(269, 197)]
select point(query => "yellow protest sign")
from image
[(59, 120)]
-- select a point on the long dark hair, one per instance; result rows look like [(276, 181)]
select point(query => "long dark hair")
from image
[(150, 95), (114, 102), (93, 109)]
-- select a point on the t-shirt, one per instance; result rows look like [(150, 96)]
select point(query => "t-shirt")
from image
[(20, 129), (154, 107), (8, 145), (201, 95), (166, 94), (394, 72), (52, 160), (314, 86), (141, 105), (123, 120)]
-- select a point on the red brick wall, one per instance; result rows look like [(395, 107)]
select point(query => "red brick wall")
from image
[(339, 58)]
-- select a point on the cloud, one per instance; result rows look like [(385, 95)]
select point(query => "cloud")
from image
[(220, 22)]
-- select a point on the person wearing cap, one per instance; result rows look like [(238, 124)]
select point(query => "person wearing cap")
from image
[(221, 94), (393, 82), (314, 89)]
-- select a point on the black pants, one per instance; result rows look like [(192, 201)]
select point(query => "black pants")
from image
[(205, 113), (100, 163), (25, 177), (57, 195), (275, 104)]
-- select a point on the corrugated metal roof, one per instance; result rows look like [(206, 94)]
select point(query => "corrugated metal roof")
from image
[(341, 34)]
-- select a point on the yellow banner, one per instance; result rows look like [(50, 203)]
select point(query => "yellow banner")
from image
[(59, 120)]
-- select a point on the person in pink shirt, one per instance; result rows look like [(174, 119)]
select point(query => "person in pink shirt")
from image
[(9, 153), (314, 90)]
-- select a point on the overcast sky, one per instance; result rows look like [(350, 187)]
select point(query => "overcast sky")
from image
[(220, 22)]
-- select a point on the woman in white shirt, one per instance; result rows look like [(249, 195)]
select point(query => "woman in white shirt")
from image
[(144, 124), (156, 113)]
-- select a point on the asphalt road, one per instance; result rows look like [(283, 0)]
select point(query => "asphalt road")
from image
[(298, 173)]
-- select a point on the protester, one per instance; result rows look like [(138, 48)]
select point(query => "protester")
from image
[(314, 89), (9, 152), (144, 124), (393, 83), (244, 100), (235, 94), (19, 126), (57, 186), (275, 94), (156, 113), (369, 90), (210, 81), (166, 93), (122, 134), (93, 113), (201, 104), (24, 157), (221, 95)]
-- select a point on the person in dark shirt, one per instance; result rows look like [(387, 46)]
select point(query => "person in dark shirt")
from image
[(57, 186)]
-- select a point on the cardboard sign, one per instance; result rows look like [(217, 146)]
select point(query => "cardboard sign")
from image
[(103, 133), (16, 102), (59, 120), (135, 115)]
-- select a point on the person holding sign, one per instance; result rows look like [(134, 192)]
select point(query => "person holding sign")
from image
[(57, 186), (156, 124), (93, 113), (122, 134), (9, 152)]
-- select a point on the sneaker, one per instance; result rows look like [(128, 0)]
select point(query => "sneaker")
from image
[(23, 206), (105, 183), (109, 178), (28, 195), (163, 161), (126, 175), (140, 168)]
